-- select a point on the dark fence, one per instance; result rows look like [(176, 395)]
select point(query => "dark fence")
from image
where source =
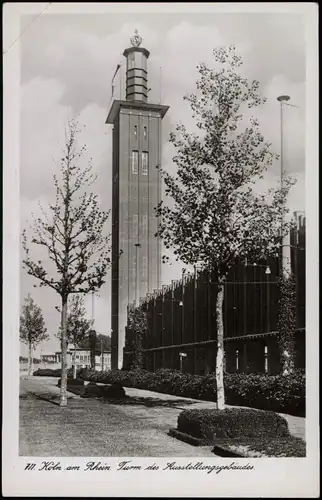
[(181, 318)]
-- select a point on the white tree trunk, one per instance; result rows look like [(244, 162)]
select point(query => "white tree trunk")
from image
[(63, 386), (220, 348), (30, 360)]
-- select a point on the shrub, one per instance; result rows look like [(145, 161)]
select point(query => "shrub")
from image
[(232, 422), (286, 323), (273, 392), (47, 372), (290, 447), (243, 431), (71, 381), (271, 447), (115, 391), (75, 381), (92, 390), (265, 392)]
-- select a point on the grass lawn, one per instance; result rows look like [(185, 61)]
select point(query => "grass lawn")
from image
[(91, 427)]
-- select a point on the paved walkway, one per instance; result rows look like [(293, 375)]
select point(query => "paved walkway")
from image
[(296, 424)]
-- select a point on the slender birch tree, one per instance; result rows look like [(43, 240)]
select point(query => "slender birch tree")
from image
[(72, 233), (32, 327), (215, 219)]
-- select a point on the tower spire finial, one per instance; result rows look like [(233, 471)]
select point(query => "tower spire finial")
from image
[(136, 39)]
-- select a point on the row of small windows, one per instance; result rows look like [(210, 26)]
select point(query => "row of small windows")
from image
[(144, 268), (144, 163), (144, 225), (145, 132), (81, 357)]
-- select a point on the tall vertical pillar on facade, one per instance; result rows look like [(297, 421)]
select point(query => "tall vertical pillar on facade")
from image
[(136, 191)]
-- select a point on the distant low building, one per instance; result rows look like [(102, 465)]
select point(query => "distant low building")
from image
[(48, 358), (83, 359)]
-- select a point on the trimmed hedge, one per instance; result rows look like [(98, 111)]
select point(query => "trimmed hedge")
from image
[(286, 447), (243, 430), (72, 381), (92, 390), (232, 422), (47, 372), (266, 392), (114, 391)]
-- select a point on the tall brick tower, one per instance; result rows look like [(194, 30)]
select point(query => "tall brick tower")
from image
[(136, 191)]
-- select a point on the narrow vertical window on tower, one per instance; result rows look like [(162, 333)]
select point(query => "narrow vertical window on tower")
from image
[(133, 268), (144, 288), (135, 131), (131, 61), (135, 162), (145, 132), (145, 225), (144, 268), (145, 162), (135, 226)]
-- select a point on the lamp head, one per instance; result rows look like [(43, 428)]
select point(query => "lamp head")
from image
[(283, 98)]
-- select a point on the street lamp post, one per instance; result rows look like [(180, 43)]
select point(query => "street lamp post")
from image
[(181, 304), (268, 272), (102, 354), (93, 299), (172, 312), (93, 360), (285, 253), (195, 281), (268, 316), (181, 356)]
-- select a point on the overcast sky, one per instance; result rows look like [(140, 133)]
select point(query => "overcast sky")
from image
[(67, 63)]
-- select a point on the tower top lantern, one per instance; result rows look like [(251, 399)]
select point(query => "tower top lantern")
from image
[(136, 70)]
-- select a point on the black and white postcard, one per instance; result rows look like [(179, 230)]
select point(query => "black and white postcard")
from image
[(160, 256)]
